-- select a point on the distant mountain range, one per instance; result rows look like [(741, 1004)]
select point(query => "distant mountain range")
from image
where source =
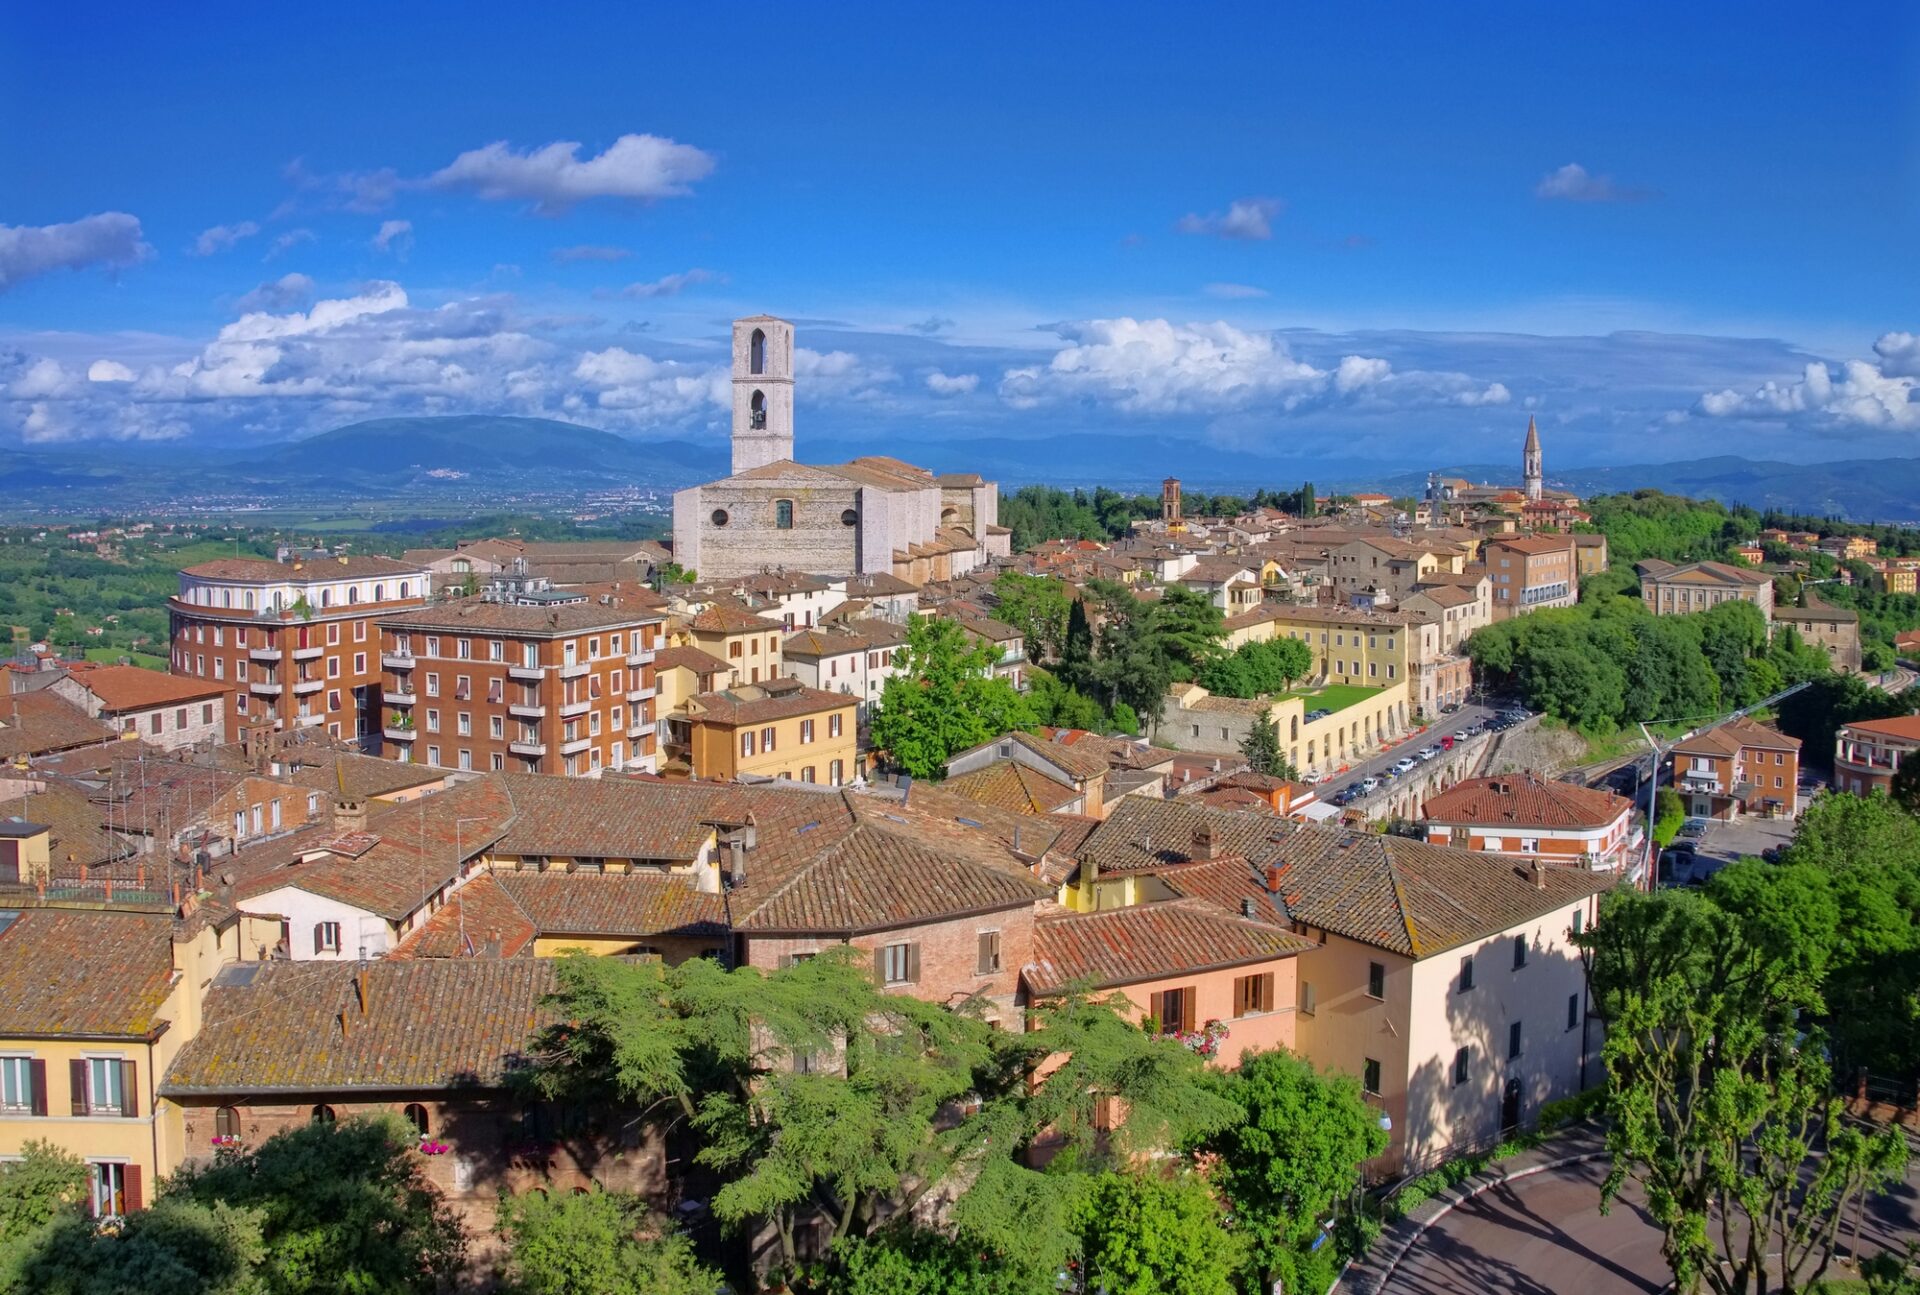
[(457, 455)]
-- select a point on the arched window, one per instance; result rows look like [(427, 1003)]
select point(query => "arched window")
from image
[(226, 1122), (757, 410), (405, 588), (1294, 725), (353, 594), (323, 1114), (379, 593), (227, 596), (783, 514), (326, 597), (249, 600), (757, 352), (416, 1115)]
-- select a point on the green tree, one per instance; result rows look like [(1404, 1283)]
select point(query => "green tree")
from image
[(46, 1183), (943, 698), (1143, 1235), (1287, 1165), (341, 1206), (1057, 705), (1719, 1096), (1037, 606), (1905, 789), (1189, 626), (904, 1260), (595, 1243), (1261, 747), (178, 1247), (1076, 652), (1669, 816)]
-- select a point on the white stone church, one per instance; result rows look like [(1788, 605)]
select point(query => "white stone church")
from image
[(873, 515)]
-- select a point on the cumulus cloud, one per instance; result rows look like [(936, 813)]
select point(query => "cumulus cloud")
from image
[(395, 236), (1864, 395), (956, 384), (841, 374), (288, 241), (639, 384), (109, 371), (110, 238), (589, 252), (43, 379), (1574, 183), (284, 293), (1244, 218), (669, 285), (219, 238), (1234, 291), (1155, 367), (554, 177)]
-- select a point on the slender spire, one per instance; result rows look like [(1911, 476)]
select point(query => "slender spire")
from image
[(1533, 437)]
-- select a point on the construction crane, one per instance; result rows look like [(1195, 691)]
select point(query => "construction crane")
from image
[(1653, 778)]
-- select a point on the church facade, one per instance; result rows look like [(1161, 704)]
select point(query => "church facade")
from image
[(875, 515)]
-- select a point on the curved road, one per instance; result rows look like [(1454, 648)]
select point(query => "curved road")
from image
[(1544, 1235)]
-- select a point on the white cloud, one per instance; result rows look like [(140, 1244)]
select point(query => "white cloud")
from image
[(554, 178), (1234, 291), (957, 384), (1864, 395), (1155, 367), (669, 285), (109, 371), (641, 385), (44, 379), (1245, 218), (111, 238), (590, 252), (395, 236), (1574, 183), (284, 293), (288, 241), (221, 237), (840, 374)]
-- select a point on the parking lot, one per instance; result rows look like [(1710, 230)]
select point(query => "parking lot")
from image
[(1722, 843)]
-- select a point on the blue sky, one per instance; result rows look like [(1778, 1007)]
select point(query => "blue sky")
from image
[(1666, 231)]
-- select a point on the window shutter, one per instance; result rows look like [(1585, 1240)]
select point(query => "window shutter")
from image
[(319, 935), (37, 1076), (130, 1089), (913, 963), (880, 965), (1157, 1008), (130, 1195), (77, 1085)]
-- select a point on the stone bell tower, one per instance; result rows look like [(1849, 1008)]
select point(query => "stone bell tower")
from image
[(762, 392), (1532, 466)]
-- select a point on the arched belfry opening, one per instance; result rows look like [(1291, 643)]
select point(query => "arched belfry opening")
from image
[(757, 352), (757, 410)]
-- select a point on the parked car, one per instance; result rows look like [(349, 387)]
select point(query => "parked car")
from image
[(1694, 827), (1446, 743), (1368, 785), (1312, 776), (1403, 765), (1431, 753), (1449, 708)]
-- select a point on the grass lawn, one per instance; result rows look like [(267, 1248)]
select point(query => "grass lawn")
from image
[(1618, 744), (1335, 696), (111, 656)]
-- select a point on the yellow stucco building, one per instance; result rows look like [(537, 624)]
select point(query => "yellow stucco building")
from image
[(777, 729)]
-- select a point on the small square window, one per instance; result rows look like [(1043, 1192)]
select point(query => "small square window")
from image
[(1376, 980), (1519, 952), (1460, 1067), (1370, 1077)]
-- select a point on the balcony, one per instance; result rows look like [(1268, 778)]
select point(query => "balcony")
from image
[(643, 657), (301, 686), (577, 670), (642, 694), (393, 698), (532, 673), (264, 688), (398, 734), (641, 730), (574, 709), (527, 748), (310, 721), (308, 653), (264, 654), (527, 710), (397, 660), (576, 746)]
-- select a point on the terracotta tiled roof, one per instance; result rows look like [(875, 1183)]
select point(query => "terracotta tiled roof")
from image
[(1148, 942), (1011, 785), (1732, 736), (430, 1023), (265, 570), (79, 843), (129, 687), (610, 818), (87, 972), (363, 777), (728, 617), (815, 643), (1532, 545), (37, 723), (1901, 726), (1070, 758), (478, 920), (611, 904), (1526, 800), (1699, 573), (764, 703), (688, 658)]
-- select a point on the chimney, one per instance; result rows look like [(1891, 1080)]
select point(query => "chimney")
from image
[(1205, 844), (1246, 908), (1273, 880), (1539, 875), (349, 814), (1090, 873), (906, 787), (737, 861)]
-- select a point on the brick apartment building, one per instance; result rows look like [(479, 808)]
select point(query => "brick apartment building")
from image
[(1524, 815), (1531, 573), (524, 679), (295, 641), (1738, 767)]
